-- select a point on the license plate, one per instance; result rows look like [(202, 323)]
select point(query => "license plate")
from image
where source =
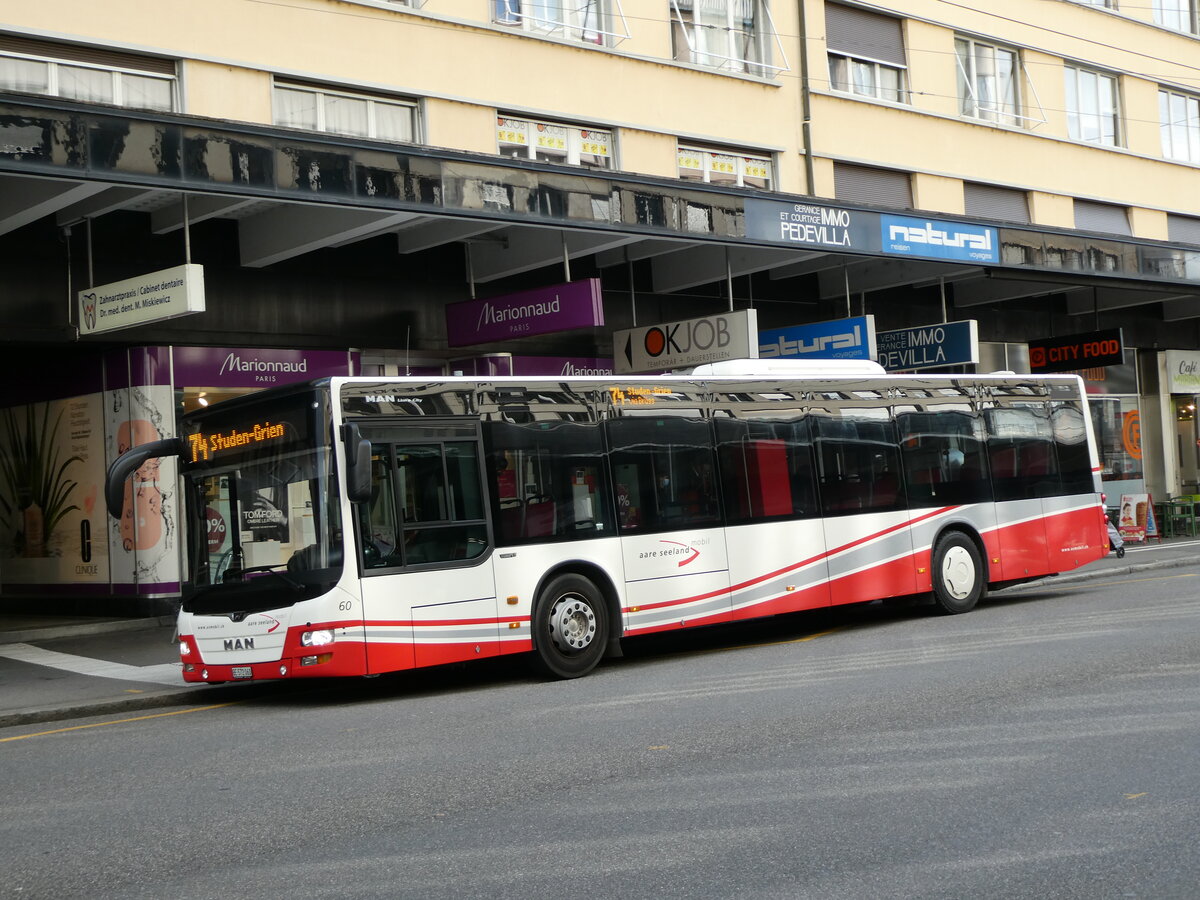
[(243, 672)]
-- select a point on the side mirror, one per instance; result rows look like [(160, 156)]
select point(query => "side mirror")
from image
[(128, 463), (358, 464)]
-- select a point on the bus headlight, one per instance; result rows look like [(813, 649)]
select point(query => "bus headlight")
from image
[(316, 638), (184, 648)]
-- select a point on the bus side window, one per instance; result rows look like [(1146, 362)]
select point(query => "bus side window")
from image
[(859, 462), (664, 473), (766, 469), (943, 455), (547, 481), (1070, 438), (1022, 453)]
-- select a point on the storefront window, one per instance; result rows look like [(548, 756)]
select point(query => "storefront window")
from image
[(1116, 422)]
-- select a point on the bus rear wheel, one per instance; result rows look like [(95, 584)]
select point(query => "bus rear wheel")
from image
[(959, 581), (570, 627)]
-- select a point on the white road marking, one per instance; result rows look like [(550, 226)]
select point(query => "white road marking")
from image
[(167, 673)]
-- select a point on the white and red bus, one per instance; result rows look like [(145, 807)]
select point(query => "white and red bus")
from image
[(379, 524)]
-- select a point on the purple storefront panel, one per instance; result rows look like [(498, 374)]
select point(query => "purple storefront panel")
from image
[(559, 307), (561, 366), (257, 368)]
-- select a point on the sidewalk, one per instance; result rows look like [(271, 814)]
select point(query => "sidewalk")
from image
[(62, 667)]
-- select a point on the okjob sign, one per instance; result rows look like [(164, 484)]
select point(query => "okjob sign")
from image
[(840, 339), (136, 301), (929, 346), (692, 342), (1076, 351)]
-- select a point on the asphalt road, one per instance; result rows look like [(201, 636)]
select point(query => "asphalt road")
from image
[(1045, 745)]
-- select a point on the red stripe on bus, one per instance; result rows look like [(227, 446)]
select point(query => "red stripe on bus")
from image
[(794, 566)]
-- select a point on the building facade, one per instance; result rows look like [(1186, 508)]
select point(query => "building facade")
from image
[(341, 176)]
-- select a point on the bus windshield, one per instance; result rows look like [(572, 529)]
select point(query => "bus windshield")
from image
[(264, 519)]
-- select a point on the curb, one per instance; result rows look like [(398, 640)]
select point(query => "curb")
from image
[(1126, 569), (199, 696), (51, 632)]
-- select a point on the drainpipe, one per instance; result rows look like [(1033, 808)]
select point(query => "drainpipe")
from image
[(806, 101)]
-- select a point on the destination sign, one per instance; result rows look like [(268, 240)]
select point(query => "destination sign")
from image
[(637, 396), (206, 446)]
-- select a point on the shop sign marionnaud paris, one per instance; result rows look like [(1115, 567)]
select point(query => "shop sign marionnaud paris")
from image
[(691, 342), (929, 346), (852, 338), (1183, 371), (153, 297), (559, 307), (1069, 352)]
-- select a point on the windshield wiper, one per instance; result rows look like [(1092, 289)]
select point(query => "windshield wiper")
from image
[(240, 575)]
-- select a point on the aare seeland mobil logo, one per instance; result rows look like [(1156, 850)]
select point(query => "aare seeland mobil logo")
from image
[(683, 553)]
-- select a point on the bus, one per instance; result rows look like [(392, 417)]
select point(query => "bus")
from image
[(353, 526)]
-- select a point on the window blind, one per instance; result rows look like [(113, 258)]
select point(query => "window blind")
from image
[(857, 32)]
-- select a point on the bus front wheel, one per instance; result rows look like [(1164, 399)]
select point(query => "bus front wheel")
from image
[(958, 577), (570, 627)]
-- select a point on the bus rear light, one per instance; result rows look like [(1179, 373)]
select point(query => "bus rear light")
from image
[(317, 638)]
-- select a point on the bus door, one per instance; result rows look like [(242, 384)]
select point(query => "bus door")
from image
[(943, 445), (428, 589), (1025, 478), (863, 500), (776, 541), (668, 516)]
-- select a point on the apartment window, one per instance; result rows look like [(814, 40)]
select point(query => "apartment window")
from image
[(866, 53), (93, 76), (716, 166), (1178, 14), (1179, 125), (1103, 4), (987, 81), (734, 35), (339, 112), (554, 142), (586, 21), (1093, 112), (865, 184)]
